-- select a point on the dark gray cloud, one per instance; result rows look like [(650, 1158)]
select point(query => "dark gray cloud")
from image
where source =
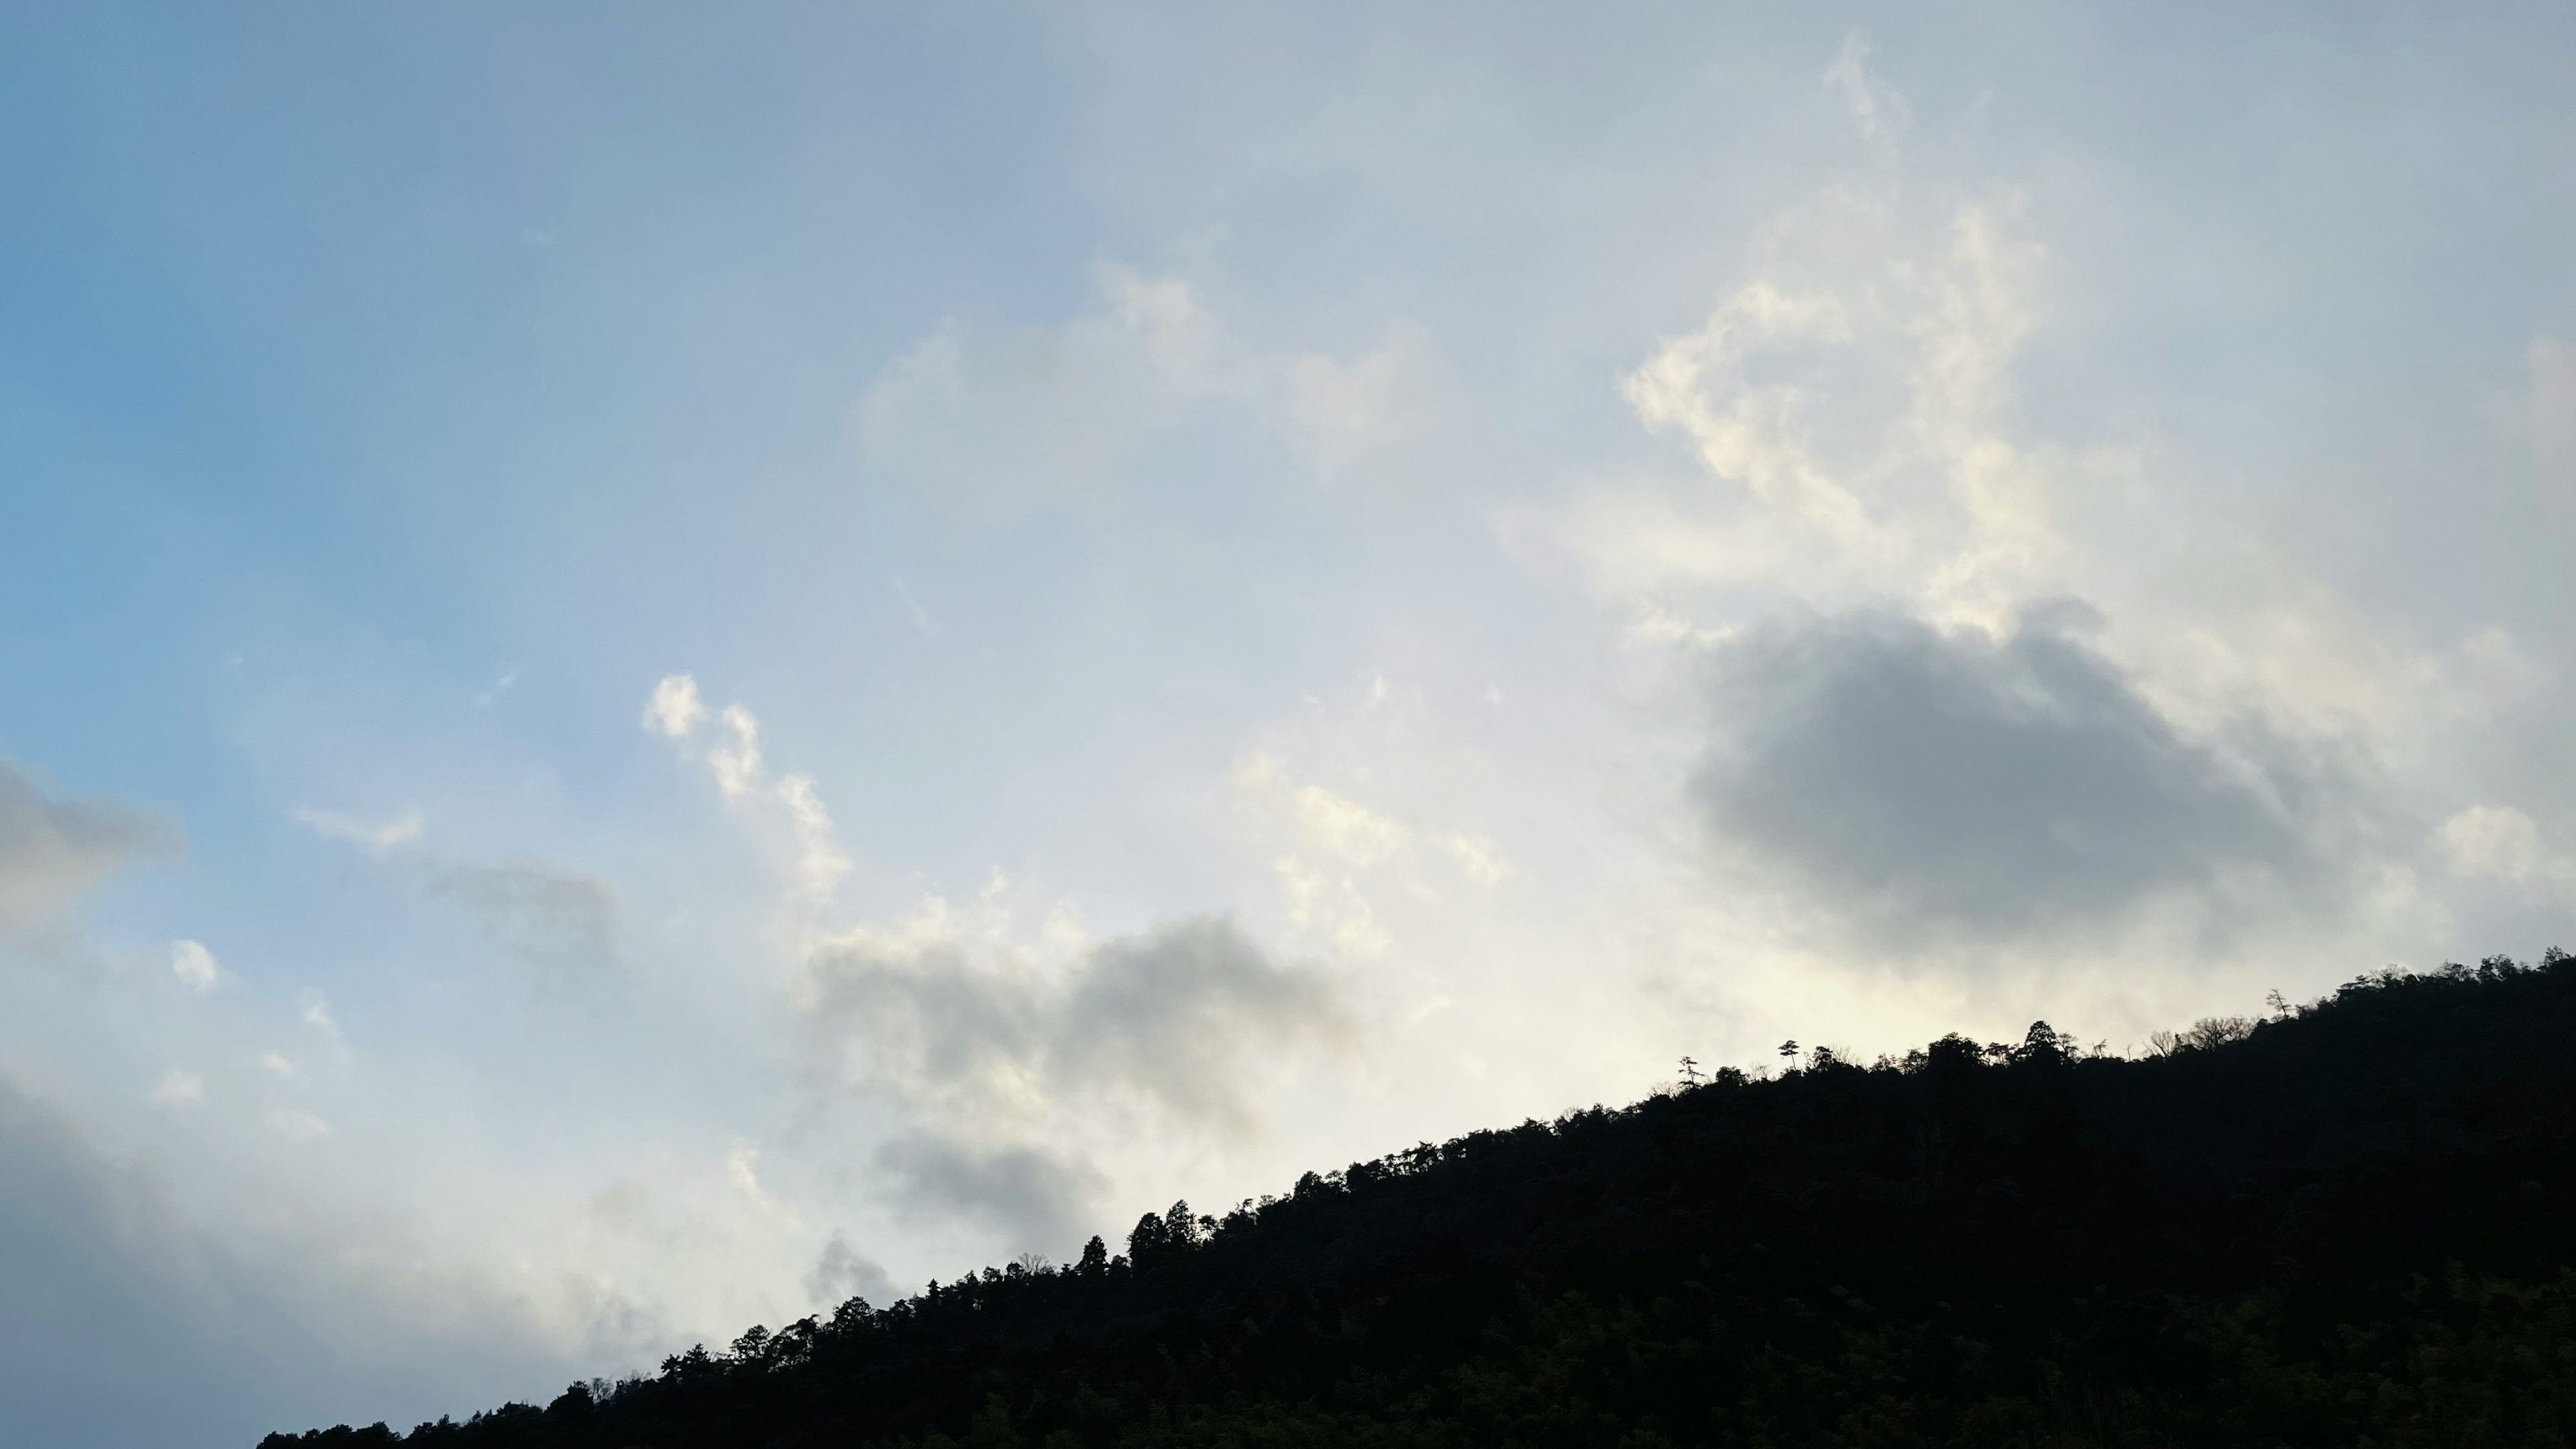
[(1179, 1021), (551, 921), (54, 851), (1178, 1018), (1929, 786), (97, 1332), (1036, 1199), (843, 1273), (122, 1325), (1183, 1014)]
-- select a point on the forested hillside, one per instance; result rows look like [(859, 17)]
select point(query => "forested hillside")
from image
[(2348, 1223)]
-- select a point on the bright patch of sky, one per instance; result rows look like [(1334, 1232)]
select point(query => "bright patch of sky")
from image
[(668, 665)]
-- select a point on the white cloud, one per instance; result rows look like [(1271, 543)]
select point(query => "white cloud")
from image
[(317, 1015), (1336, 860), (277, 1064), (404, 829), (820, 863), (1854, 393), (1851, 441), (1332, 845), (675, 710), (1477, 856), (741, 1162), (1350, 832), (1863, 417), (298, 1125), (2552, 400), (2503, 843), (1873, 107), (195, 966), (179, 1089), (742, 777), (737, 765)]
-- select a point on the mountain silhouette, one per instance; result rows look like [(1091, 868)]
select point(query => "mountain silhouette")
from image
[(2346, 1223)]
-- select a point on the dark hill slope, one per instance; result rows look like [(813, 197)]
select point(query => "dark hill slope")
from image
[(2351, 1224)]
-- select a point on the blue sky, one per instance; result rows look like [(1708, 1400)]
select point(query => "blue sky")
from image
[(660, 667)]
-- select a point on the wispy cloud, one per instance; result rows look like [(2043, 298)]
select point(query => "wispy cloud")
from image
[(179, 1088), (1874, 108), (742, 777), (316, 1013), (549, 919), (55, 851), (995, 428), (389, 834), (912, 606)]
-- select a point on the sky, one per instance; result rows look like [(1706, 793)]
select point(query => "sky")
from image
[(659, 664)]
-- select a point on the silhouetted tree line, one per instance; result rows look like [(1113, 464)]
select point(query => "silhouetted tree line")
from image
[(2344, 1223)]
